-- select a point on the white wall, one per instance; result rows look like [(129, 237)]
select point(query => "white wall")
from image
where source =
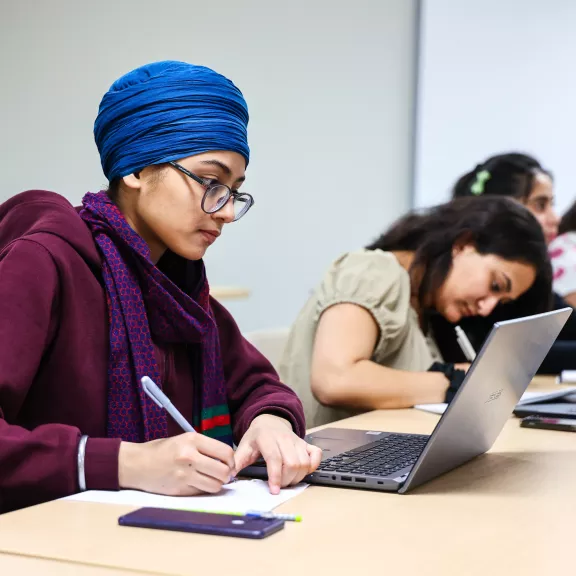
[(495, 75), (329, 84)]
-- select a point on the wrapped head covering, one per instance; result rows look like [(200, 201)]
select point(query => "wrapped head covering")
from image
[(166, 111)]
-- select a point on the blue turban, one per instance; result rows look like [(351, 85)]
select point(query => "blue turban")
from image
[(166, 111)]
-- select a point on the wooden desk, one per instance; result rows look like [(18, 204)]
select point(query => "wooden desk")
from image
[(508, 512), (544, 383), (12, 565), (229, 292)]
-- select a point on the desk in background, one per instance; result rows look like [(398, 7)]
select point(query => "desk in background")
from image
[(229, 292), (508, 512)]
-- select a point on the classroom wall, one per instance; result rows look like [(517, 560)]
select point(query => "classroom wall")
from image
[(330, 86), (495, 75)]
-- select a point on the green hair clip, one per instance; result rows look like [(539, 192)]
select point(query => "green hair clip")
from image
[(481, 178)]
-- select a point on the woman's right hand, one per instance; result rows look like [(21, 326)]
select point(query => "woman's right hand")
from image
[(183, 465)]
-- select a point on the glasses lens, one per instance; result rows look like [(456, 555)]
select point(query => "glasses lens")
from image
[(242, 204), (215, 198)]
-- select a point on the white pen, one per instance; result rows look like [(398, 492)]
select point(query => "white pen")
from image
[(465, 345), (159, 398)]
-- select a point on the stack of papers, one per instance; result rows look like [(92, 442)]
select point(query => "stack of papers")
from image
[(527, 398), (240, 497)]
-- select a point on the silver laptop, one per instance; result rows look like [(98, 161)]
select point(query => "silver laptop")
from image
[(503, 369)]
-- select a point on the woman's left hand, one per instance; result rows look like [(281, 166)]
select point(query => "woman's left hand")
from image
[(288, 458)]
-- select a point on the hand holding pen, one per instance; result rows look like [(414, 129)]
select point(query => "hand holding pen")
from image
[(161, 400), (183, 465)]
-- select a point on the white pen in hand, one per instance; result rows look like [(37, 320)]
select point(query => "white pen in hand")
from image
[(151, 388), (159, 398), (465, 345)]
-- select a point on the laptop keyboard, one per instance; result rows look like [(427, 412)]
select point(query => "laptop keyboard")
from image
[(380, 458)]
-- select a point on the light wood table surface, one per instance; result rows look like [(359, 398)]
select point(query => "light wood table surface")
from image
[(13, 565), (510, 511)]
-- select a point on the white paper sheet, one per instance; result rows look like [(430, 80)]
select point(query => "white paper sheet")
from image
[(239, 496), (527, 398)]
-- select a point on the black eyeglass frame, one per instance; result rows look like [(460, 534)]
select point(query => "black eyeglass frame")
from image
[(209, 185)]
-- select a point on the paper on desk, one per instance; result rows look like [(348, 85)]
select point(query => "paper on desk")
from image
[(527, 398), (239, 496)]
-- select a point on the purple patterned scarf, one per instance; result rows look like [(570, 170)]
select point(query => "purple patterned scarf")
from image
[(143, 301)]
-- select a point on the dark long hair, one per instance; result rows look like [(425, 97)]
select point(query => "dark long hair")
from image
[(510, 174), (493, 225), (568, 222)]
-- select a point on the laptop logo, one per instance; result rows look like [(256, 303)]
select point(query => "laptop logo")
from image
[(494, 396)]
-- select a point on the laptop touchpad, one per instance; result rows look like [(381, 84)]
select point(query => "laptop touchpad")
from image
[(332, 441)]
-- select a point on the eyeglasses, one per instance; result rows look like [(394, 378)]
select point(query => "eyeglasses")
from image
[(217, 195)]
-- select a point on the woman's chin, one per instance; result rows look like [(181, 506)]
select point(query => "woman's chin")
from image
[(453, 316), (190, 252)]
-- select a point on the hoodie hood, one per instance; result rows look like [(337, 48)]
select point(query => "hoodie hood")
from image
[(40, 211)]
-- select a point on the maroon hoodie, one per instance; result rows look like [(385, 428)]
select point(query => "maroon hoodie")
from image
[(54, 357)]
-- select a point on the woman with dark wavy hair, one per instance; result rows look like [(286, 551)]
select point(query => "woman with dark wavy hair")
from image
[(524, 179), (361, 342)]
